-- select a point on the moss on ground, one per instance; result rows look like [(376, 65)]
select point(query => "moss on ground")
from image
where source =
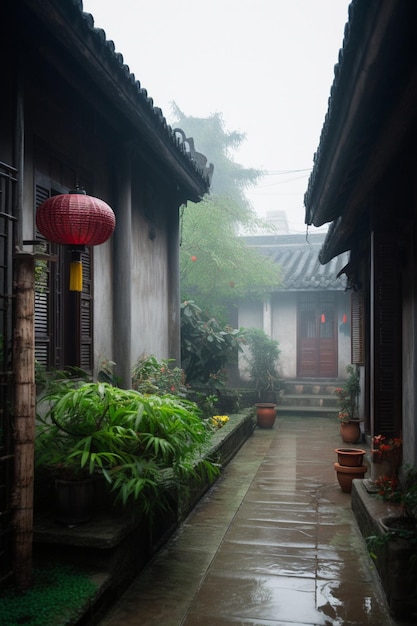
[(55, 599)]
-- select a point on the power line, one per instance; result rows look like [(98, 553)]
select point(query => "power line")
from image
[(282, 182), (283, 172)]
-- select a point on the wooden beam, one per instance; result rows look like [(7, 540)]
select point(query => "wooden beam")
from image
[(24, 419)]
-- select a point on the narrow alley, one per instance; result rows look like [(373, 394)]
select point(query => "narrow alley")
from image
[(274, 542)]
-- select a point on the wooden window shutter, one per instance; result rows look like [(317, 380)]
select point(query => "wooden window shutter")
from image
[(63, 319), (43, 336), (358, 327), (387, 333), (86, 313)]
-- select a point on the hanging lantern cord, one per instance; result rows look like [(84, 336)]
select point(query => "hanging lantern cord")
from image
[(78, 190), (76, 269)]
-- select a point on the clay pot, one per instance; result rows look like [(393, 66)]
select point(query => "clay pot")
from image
[(346, 474), (74, 501), (350, 457), (266, 413), (350, 432)]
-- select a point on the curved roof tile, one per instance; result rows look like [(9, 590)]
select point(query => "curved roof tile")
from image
[(108, 49), (298, 257)]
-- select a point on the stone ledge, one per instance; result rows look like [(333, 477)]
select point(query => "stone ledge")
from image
[(369, 509), (392, 560), (225, 443)]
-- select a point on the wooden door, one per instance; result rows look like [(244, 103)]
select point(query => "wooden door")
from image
[(317, 336)]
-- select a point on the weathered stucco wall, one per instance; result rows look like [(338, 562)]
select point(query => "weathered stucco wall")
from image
[(103, 313), (99, 163), (149, 287)]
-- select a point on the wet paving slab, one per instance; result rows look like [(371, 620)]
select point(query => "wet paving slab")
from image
[(273, 543)]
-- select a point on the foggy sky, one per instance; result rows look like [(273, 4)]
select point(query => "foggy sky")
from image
[(266, 65)]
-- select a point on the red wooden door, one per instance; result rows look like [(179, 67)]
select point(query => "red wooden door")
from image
[(317, 336)]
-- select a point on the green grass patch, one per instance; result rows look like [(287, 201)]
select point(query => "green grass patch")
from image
[(55, 599)]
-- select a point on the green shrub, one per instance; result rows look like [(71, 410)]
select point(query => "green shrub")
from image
[(206, 347), (262, 360), (151, 375)]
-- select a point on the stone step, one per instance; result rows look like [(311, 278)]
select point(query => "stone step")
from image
[(313, 386), (308, 411), (308, 400)]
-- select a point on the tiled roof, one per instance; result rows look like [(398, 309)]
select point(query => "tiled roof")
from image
[(298, 257), (152, 117), (351, 40), (369, 121)]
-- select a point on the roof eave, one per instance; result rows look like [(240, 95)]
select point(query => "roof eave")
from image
[(107, 71), (346, 125)]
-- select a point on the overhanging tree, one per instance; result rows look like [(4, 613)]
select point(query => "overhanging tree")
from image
[(217, 266)]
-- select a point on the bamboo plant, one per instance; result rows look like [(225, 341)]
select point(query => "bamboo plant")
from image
[(143, 445)]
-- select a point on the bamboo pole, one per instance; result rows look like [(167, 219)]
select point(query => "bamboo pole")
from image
[(24, 418)]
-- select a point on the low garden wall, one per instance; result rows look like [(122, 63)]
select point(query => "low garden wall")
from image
[(226, 442)]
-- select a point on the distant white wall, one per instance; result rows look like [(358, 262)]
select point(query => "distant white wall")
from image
[(284, 330), (278, 318)]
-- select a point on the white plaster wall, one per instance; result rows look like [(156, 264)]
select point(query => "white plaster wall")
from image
[(250, 315)]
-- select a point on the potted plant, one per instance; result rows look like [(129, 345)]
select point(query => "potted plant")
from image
[(262, 369), (143, 446), (386, 456), (348, 406)]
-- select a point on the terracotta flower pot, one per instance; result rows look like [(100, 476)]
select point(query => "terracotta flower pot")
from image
[(350, 457), (350, 432), (266, 413), (346, 474)]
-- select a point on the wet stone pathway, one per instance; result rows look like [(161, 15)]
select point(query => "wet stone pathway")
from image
[(273, 543)]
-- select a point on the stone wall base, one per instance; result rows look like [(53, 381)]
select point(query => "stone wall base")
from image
[(398, 575)]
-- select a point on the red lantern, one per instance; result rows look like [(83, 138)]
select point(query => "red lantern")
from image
[(76, 220), (323, 318), (344, 318)]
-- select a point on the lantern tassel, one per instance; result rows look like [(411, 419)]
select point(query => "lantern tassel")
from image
[(76, 276), (76, 269)]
